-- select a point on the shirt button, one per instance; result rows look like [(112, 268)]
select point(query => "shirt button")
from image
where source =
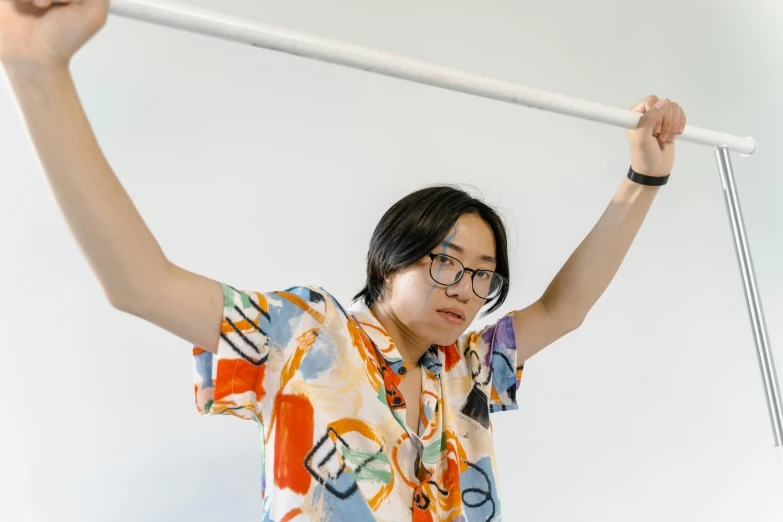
[(403, 370)]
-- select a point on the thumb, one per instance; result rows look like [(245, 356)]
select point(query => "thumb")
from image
[(653, 115)]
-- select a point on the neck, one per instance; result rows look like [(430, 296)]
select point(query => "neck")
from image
[(410, 347)]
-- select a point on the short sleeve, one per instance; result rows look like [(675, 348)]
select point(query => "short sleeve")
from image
[(255, 327), (491, 356)]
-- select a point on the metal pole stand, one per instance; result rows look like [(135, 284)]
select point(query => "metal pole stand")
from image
[(752, 298)]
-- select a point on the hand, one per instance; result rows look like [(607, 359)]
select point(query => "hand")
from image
[(43, 31), (652, 142)]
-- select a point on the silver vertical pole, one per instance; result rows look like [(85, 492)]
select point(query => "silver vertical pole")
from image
[(752, 298)]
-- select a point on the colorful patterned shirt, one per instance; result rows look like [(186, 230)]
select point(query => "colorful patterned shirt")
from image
[(321, 383)]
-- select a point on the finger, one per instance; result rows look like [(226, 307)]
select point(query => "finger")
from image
[(682, 120), (653, 115), (666, 124), (675, 126), (672, 129), (645, 104)]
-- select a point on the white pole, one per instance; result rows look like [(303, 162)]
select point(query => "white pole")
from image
[(260, 35)]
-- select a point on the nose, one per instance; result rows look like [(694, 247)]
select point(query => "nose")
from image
[(462, 290)]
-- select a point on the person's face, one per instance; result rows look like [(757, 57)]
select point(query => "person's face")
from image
[(418, 301)]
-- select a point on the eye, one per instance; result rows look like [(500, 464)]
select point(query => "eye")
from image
[(482, 274), (443, 260)]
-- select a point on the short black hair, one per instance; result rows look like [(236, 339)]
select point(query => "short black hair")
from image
[(417, 223)]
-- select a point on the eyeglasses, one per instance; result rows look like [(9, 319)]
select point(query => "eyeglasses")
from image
[(448, 271)]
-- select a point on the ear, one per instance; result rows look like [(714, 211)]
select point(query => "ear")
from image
[(388, 282)]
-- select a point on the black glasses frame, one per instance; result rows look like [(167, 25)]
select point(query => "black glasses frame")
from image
[(433, 255)]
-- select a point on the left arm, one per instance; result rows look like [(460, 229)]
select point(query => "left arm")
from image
[(587, 273)]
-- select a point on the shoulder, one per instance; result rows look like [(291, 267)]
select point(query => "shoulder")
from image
[(307, 293), (317, 301)]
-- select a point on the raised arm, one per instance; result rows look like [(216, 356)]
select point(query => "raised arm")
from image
[(36, 45)]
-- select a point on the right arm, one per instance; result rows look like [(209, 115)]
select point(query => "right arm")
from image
[(37, 42), (130, 265)]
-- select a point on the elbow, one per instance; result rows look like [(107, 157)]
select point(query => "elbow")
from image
[(569, 319), (134, 293), (579, 321), (575, 321), (118, 301)]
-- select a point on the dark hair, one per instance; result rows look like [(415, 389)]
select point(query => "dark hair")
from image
[(416, 224)]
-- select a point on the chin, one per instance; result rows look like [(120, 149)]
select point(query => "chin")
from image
[(448, 338), (439, 332), (446, 342)]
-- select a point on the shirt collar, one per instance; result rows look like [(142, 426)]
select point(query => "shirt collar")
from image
[(366, 319)]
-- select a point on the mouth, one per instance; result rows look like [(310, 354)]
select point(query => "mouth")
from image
[(452, 315)]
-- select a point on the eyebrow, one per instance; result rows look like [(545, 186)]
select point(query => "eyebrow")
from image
[(459, 249)]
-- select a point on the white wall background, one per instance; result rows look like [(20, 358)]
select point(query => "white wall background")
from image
[(265, 170)]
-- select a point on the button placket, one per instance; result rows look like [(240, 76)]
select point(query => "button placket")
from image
[(430, 398)]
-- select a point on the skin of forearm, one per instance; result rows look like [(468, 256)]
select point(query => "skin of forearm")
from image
[(110, 232)]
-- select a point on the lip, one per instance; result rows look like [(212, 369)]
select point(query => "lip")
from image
[(454, 320)]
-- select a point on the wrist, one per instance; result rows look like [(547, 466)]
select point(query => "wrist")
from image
[(648, 170), (32, 68), (647, 180), (28, 77)]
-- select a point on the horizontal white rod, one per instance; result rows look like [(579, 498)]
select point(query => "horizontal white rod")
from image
[(260, 35)]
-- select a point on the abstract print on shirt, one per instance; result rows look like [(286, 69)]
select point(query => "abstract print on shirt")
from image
[(321, 382)]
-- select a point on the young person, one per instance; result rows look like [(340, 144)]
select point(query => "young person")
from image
[(377, 411)]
